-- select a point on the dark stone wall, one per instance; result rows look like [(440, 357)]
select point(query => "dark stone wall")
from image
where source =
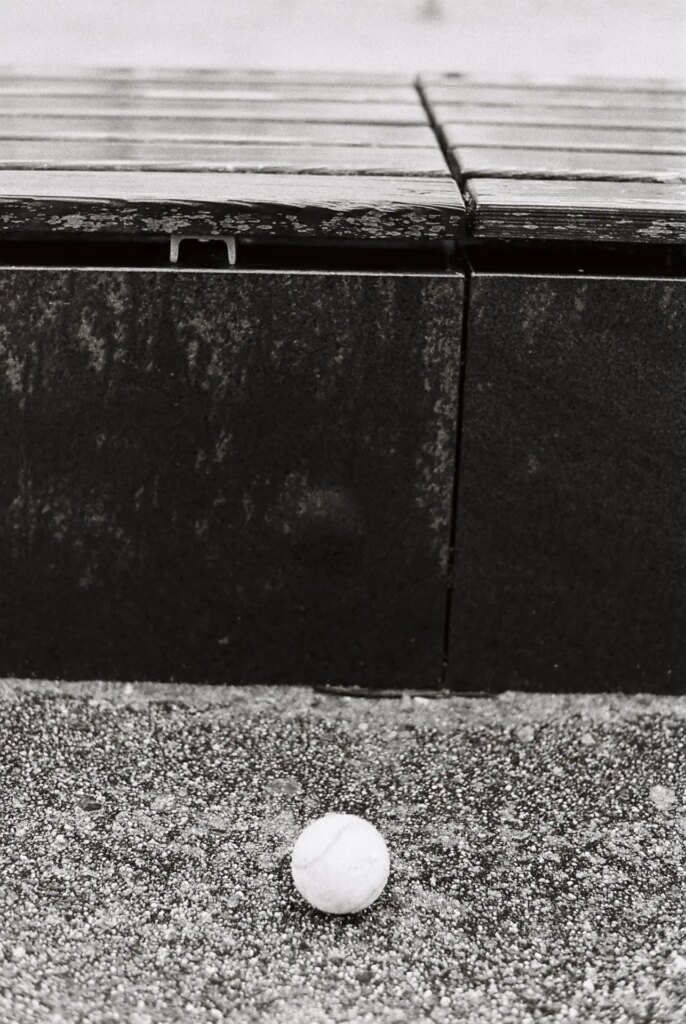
[(570, 567), (240, 476)]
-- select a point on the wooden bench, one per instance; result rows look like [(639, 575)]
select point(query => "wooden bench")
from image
[(570, 553), (231, 344), (212, 472)]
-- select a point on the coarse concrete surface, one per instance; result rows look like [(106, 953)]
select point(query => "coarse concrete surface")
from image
[(537, 845)]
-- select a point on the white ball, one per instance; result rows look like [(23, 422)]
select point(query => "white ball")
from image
[(340, 864)]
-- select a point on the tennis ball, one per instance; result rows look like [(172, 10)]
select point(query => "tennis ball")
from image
[(340, 864)]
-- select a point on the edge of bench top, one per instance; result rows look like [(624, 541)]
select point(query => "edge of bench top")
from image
[(615, 211), (361, 207), (586, 176)]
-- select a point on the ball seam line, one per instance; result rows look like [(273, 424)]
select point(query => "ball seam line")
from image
[(322, 853)]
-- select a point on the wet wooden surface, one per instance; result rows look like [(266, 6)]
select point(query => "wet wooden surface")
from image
[(537, 82), (492, 162), (608, 140), (593, 211), (578, 161), (131, 106), (256, 156), (211, 130), (199, 87), (96, 154), (255, 205), (226, 475), (201, 76), (553, 95), (645, 118)]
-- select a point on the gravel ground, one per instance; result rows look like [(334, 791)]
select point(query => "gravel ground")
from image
[(537, 851)]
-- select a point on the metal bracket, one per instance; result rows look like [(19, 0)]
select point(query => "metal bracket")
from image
[(229, 241)]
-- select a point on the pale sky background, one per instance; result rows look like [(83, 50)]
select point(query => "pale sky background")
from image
[(636, 38)]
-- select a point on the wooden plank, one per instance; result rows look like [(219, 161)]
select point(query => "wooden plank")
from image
[(183, 75), (593, 83), (558, 163), (255, 205), (570, 543), (215, 130), (596, 211), (110, 106), (628, 84), (644, 118), (67, 154), (501, 96), (627, 140), (216, 91), (216, 456)]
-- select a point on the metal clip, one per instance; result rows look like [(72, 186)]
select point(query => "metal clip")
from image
[(228, 240)]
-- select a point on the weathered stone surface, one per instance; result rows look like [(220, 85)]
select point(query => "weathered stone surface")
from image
[(570, 566), (226, 476)]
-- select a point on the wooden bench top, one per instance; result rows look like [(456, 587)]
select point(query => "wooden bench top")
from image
[(335, 156), (253, 154), (582, 160)]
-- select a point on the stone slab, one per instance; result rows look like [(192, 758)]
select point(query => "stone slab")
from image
[(241, 475), (570, 560)]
